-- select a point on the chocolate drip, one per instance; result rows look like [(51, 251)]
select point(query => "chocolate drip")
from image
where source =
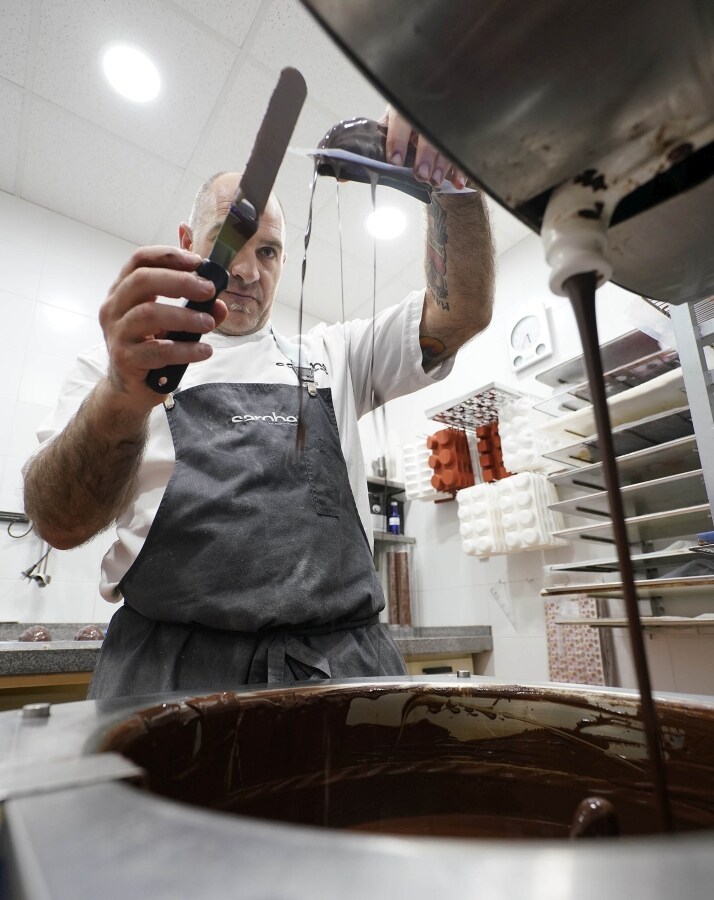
[(581, 290)]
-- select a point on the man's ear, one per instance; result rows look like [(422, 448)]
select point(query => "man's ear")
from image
[(185, 236)]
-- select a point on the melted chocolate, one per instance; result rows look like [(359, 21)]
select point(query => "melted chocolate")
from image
[(367, 138), (424, 759), (595, 817)]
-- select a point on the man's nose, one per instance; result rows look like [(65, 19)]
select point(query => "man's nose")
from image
[(244, 266)]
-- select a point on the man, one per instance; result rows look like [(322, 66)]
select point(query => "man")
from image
[(239, 559)]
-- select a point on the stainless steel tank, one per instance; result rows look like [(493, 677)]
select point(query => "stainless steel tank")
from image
[(337, 790)]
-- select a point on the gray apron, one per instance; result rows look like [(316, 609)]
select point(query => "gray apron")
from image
[(256, 568)]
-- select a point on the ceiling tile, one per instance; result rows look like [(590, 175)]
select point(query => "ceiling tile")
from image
[(228, 139), (289, 36), (14, 39), (177, 209), (70, 162), (323, 295), (11, 106), (232, 20), (193, 67), (388, 295), (393, 255)]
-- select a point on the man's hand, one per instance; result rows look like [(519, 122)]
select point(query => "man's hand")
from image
[(430, 166), (135, 325), (83, 479)]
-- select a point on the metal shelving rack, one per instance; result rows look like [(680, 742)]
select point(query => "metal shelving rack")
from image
[(666, 467)]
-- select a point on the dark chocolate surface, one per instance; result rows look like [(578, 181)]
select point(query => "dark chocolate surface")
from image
[(449, 761)]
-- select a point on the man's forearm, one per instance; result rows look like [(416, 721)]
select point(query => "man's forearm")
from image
[(80, 482), (460, 275)]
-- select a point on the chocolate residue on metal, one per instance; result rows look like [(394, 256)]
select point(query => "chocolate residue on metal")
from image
[(440, 760), (591, 178), (594, 213)]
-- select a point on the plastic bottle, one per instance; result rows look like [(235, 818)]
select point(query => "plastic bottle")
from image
[(394, 520)]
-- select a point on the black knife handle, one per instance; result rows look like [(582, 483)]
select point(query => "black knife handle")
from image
[(165, 380)]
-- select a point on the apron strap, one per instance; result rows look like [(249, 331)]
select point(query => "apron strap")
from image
[(285, 647)]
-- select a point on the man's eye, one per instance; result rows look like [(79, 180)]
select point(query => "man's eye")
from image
[(270, 252)]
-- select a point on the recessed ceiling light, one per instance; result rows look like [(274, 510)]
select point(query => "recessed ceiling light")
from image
[(130, 72), (386, 222)]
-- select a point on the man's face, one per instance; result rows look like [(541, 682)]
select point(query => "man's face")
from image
[(255, 270)]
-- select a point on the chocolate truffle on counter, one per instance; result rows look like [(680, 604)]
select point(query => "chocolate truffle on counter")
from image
[(89, 633), (36, 633)]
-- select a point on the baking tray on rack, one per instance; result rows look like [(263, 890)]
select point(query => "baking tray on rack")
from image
[(614, 354), (691, 622), (684, 522), (650, 431), (647, 588), (657, 495), (630, 375), (641, 562), (659, 461)]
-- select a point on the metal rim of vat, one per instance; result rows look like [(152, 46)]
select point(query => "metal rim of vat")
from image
[(135, 844)]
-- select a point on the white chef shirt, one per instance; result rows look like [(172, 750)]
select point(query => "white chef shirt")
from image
[(340, 356)]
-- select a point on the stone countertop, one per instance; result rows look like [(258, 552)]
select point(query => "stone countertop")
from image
[(47, 657), (456, 640), (66, 655)]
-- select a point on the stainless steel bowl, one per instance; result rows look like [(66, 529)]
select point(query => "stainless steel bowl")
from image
[(236, 789)]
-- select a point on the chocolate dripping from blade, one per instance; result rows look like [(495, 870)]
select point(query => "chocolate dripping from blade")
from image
[(300, 435), (581, 291)]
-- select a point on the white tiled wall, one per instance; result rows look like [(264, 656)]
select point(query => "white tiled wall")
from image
[(54, 274)]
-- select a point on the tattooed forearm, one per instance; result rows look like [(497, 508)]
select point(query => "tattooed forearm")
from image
[(436, 240), (459, 275), (79, 483)]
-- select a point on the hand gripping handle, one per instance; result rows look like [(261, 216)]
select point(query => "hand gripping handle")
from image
[(165, 380)]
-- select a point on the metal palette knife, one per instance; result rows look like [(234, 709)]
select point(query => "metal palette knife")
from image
[(247, 207)]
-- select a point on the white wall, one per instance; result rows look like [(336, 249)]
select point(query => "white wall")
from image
[(54, 274), (453, 588)]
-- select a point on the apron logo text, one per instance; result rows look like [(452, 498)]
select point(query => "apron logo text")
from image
[(272, 418)]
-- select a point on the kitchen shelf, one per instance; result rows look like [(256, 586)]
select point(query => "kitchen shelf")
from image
[(615, 381), (650, 431), (675, 523), (640, 562), (386, 537), (647, 588), (656, 496), (615, 353), (646, 622), (662, 460)]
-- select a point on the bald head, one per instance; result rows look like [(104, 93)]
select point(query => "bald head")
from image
[(204, 204), (255, 270)]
